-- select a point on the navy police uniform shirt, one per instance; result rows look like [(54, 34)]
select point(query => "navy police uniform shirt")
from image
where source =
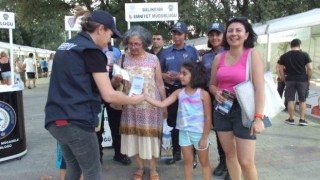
[(73, 94), (171, 58), (208, 58)]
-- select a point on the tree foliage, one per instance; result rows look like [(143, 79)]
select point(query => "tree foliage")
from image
[(40, 23)]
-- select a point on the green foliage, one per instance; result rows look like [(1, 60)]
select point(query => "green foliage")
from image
[(40, 23)]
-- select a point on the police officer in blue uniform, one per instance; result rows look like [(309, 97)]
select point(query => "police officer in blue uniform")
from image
[(215, 39), (171, 60), (78, 81)]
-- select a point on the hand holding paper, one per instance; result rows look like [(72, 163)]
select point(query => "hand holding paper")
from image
[(136, 85), (117, 70)]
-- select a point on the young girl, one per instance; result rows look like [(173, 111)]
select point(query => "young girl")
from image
[(194, 116)]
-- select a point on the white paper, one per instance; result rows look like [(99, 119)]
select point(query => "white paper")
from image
[(136, 85), (118, 70)]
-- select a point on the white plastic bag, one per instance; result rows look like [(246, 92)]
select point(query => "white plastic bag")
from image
[(166, 141)]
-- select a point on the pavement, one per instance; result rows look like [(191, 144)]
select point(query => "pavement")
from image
[(284, 152)]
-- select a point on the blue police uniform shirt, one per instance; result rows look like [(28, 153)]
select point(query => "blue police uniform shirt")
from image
[(208, 58), (171, 58), (116, 54)]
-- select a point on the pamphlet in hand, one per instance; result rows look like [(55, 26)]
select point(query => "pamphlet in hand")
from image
[(118, 70), (136, 85), (225, 107)]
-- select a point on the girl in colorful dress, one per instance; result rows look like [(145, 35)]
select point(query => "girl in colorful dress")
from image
[(194, 116)]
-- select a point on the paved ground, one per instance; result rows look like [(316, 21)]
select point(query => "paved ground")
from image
[(283, 152)]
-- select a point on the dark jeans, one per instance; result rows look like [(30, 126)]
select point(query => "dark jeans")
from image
[(80, 150)]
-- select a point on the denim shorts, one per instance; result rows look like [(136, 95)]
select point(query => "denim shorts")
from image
[(187, 138), (6, 75), (231, 122)]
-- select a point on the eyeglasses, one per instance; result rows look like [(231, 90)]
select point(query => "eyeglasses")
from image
[(156, 39), (134, 44)]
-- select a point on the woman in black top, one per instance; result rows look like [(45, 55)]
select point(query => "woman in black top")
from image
[(79, 80), (5, 69)]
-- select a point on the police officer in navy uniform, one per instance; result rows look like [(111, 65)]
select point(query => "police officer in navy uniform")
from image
[(78, 81), (171, 60), (215, 39)]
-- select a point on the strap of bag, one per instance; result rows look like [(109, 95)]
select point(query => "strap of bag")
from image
[(122, 60), (248, 66)]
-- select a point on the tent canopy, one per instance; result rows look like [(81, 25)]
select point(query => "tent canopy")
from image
[(301, 20)]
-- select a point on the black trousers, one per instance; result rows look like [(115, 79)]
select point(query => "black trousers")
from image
[(99, 136), (172, 118), (114, 117), (281, 87)]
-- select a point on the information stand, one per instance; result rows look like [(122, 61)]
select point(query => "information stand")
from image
[(12, 128)]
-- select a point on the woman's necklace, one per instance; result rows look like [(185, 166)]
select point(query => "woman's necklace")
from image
[(234, 58)]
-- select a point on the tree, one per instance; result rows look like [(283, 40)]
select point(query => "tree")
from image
[(40, 23)]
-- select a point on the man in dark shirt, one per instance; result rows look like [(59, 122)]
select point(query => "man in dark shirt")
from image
[(157, 44), (297, 65)]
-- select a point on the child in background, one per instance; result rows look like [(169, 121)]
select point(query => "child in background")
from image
[(194, 116), (61, 164)]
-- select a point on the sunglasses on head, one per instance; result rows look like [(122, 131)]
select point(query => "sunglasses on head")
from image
[(238, 19)]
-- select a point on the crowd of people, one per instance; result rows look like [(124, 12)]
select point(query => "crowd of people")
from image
[(180, 85), (24, 70)]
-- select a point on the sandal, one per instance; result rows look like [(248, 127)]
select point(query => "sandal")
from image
[(154, 175), (138, 175), (46, 177)]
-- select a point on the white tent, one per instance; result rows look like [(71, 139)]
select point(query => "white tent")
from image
[(301, 20), (274, 35), (25, 50)]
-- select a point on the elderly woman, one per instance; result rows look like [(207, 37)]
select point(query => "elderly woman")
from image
[(141, 125)]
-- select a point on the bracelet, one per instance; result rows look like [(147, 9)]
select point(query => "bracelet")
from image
[(258, 115)]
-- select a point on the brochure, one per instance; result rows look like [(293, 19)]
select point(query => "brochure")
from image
[(118, 70), (225, 107), (136, 85)]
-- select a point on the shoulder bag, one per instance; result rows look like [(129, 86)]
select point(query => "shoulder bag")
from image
[(244, 91)]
